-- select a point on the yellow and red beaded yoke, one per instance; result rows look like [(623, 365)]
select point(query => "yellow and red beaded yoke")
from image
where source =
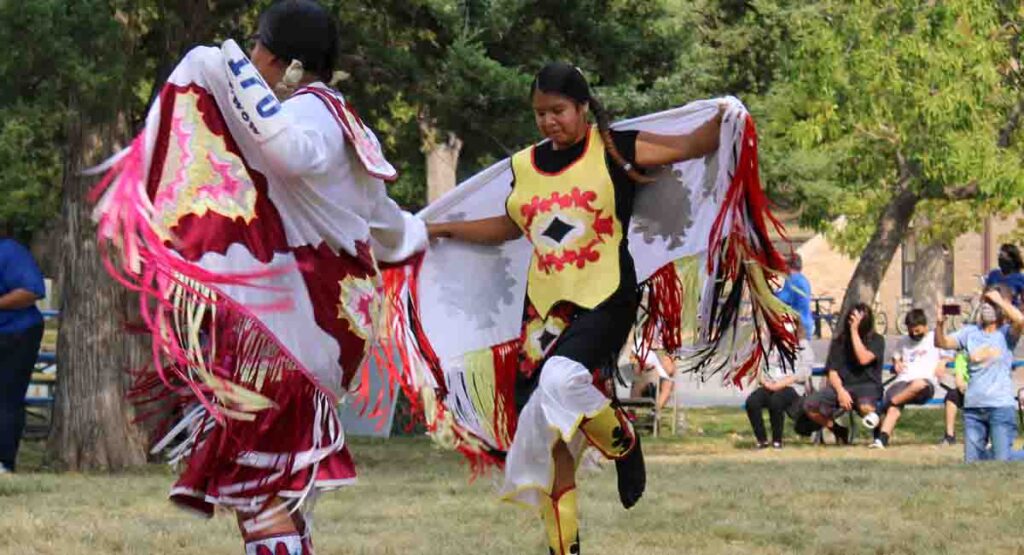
[(569, 218)]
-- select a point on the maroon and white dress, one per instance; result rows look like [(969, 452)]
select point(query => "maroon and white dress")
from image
[(252, 229)]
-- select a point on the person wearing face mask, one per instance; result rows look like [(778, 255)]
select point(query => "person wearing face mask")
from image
[(917, 363), (250, 215), (854, 367), (1009, 273), (990, 403)]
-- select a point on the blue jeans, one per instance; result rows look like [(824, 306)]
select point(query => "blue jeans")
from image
[(995, 424)]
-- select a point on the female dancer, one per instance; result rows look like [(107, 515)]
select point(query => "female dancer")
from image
[(252, 229), (572, 198)]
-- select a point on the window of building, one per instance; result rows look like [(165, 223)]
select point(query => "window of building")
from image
[(909, 261)]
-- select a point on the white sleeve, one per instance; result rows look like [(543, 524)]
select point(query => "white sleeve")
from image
[(308, 140), (394, 233)]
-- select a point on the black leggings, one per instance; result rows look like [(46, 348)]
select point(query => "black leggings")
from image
[(594, 338), (18, 352), (778, 404)]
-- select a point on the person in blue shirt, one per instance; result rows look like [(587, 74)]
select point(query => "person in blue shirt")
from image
[(1009, 273), (990, 401), (21, 332), (796, 293)]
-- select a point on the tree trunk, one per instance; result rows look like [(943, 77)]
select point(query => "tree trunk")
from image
[(442, 159), (890, 232), (92, 420), (929, 280)]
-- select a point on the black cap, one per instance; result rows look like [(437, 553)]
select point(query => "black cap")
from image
[(300, 30)]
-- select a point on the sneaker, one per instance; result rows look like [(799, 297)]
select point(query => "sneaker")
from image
[(4, 469), (948, 440), (776, 445), (870, 420), (877, 444), (842, 434), (761, 445)]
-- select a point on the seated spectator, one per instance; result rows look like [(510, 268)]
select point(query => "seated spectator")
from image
[(854, 367), (780, 392), (990, 400), (1009, 273), (656, 368), (917, 363), (21, 332), (954, 398)]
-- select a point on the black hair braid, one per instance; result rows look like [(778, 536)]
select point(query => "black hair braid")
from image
[(604, 128)]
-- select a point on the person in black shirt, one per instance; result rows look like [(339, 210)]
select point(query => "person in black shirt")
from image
[(854, 367)]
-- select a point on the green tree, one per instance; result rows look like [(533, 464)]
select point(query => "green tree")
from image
[(450, 77), (884, 111), (97, 62)]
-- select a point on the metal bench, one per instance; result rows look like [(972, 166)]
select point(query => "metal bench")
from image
[(852, 415)]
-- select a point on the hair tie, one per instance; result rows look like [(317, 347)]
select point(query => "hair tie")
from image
[(289, 82)]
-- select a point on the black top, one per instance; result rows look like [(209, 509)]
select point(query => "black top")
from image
[(842, 360), (553, 161)]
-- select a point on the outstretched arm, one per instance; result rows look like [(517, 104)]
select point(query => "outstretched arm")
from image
[(653, 149), (942, 340), (488, 231)]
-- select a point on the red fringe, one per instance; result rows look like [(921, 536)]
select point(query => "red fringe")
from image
[(665, 308), (391, 354), (746, 210), (506, 365)]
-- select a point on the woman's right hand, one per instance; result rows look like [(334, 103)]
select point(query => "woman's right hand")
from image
[(438, 230)]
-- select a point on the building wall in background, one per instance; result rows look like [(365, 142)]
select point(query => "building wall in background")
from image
[(829, 271)]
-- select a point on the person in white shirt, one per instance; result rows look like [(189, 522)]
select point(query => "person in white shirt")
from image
[(657, 366), (918, 364)]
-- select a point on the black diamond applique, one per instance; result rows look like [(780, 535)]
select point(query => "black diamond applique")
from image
[(557, 229), (545, 339)]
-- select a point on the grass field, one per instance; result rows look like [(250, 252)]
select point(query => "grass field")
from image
[(708, 493)]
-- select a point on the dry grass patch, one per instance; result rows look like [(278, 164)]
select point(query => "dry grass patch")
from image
[(708, 494)]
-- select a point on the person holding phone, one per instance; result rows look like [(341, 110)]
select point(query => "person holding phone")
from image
[(990, 402), (854, 367)]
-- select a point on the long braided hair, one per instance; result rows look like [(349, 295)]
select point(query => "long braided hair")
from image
[(567, 80)]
